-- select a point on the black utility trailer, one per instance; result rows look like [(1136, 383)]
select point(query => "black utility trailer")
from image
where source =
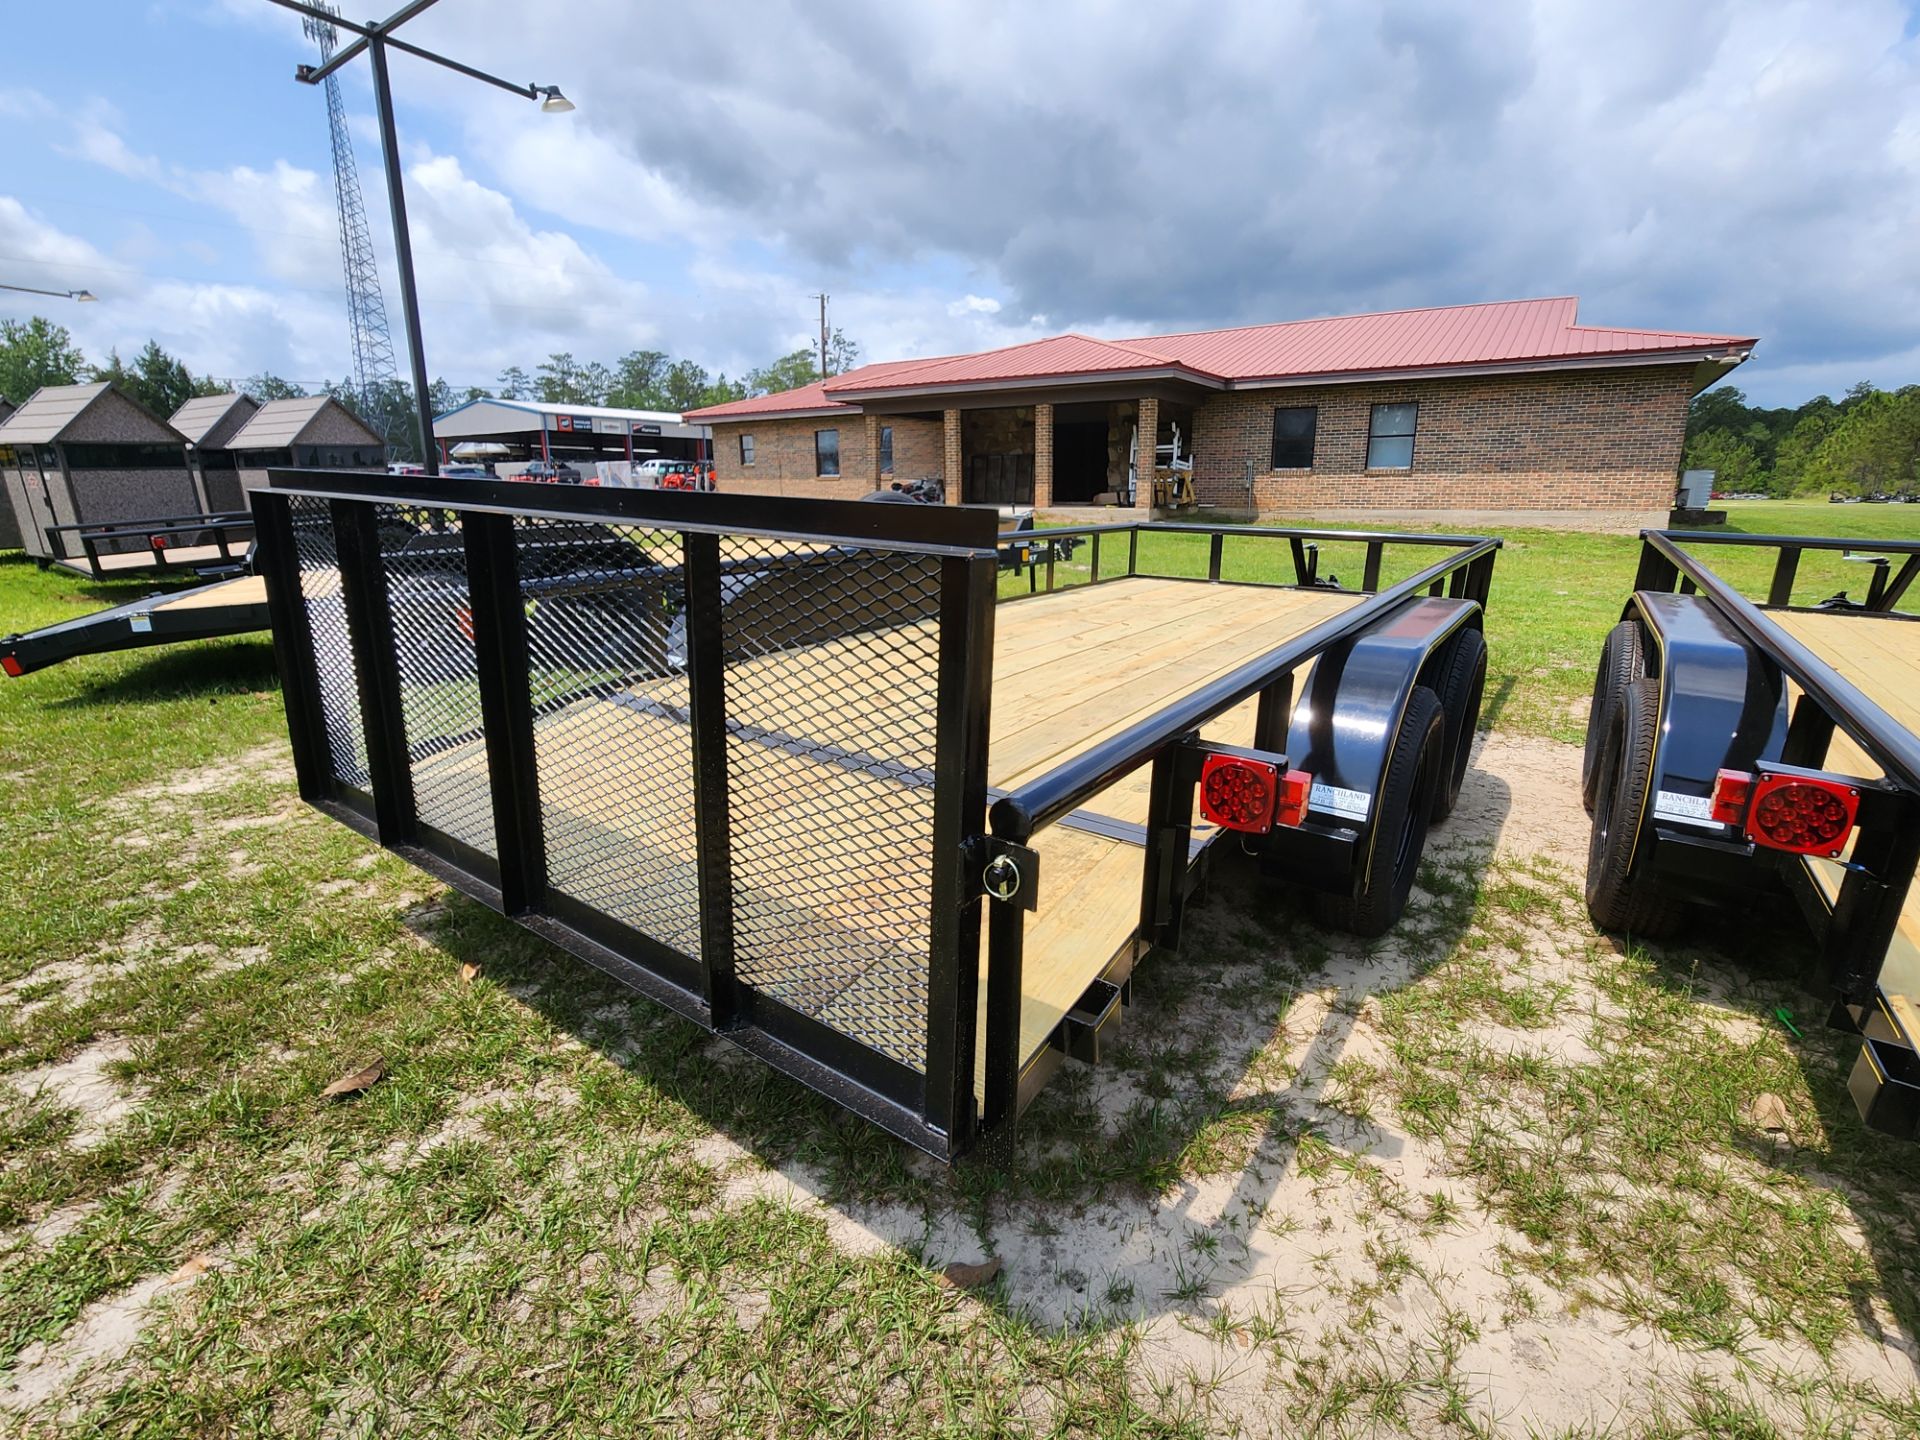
[(740, 752), (1730, 742), (236, 606)]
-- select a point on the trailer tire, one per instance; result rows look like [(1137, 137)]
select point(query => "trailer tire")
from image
[(1618, 899), (1415, 771), (1623, 660), (1463, 681)]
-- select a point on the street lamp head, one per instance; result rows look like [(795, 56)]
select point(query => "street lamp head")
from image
[(555, 103), (85, 295)]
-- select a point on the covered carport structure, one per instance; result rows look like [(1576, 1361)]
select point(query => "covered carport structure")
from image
[(584, 436)]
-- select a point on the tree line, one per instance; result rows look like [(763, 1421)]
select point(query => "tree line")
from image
[(1865, 443), (38, 352)]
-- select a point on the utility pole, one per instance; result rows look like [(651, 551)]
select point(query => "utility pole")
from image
[(823, 333)]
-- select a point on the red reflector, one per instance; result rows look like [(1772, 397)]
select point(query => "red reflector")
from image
[(11, 664), (1296, 789), (1239, 794), (1731, 791), (1808, 817), (463, 620), (159, 542)]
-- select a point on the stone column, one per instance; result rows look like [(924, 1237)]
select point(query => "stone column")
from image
[(1042, 456), (1143, 461), (950, 469)]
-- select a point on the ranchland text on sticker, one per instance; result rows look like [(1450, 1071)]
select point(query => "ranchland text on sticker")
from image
[(1687, 809), (1347, 804)]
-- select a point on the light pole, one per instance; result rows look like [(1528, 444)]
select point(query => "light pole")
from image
[(82, 295), (375, 38)]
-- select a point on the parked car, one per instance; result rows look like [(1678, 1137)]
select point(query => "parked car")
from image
[(652, 474), (551, 472), (468, 472)]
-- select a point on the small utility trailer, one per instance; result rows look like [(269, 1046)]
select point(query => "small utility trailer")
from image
[(741, 752), (237, 606), (1731, 742)]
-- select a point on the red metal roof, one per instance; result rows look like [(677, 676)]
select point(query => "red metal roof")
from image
[(804, 397), (1507, 332)]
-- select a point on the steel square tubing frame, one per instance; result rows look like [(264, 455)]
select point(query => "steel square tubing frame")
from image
[(935, 1110), (1466, 573)]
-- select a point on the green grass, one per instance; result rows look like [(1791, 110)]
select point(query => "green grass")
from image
[(560, 1212), (1555, 592)]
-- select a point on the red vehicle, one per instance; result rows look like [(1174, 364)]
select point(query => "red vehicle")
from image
[(696, 476)]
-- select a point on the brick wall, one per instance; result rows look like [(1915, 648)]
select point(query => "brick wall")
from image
[(783, 455), (1594, 439)]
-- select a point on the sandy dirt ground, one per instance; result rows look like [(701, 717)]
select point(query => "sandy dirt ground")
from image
[(1269, 1249)]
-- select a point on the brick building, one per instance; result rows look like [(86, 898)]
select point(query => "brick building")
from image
[(1487, 410)]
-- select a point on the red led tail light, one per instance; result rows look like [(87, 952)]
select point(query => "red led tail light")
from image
[(1237, 793), (11, 664), (1801, 814), (463, 620), (159, 542)]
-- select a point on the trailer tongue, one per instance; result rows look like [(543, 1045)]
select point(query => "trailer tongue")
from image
[(739, 752)]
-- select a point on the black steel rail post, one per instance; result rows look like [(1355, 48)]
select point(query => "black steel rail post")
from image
[(712, 822), (1169, 835), (965, 686), (363, 587), (506, 709), (293, 653)]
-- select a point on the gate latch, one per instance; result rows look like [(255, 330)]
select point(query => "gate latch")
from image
[(1011, 873)]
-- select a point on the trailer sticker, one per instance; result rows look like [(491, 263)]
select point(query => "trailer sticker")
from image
[(1687, 809), (1347, 804), (141, 624)]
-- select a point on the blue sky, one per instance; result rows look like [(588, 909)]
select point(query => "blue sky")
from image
[(960, 177)]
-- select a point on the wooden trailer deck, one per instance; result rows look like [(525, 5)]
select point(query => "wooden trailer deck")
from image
[(1881, 656), (1070, 669), (136, 562)]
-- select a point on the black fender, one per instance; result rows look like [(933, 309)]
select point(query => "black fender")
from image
[(1723, 705), (1342, 732)]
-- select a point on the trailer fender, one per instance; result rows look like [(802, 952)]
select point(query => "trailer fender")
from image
[(1723, 705), (1342, 734)]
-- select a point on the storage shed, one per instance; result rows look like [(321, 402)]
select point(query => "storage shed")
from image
[(315, 432), (88, 455), (209, 423)]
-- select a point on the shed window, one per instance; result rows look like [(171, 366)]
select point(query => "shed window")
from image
[(826, 452), (746, 449), (337, 457), (125, 457), (886, 449), (1390, 437), (1293, 432)]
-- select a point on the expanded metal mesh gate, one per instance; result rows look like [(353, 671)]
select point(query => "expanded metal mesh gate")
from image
[(727, 749)]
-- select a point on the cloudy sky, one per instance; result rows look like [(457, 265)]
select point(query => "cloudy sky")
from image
[(975, 174)]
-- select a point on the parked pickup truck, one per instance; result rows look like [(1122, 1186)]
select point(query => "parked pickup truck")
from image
[(901, 839), (1732, 744)]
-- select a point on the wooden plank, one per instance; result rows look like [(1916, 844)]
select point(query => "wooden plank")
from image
[(1880, 656), (177, 557), (246, 590)]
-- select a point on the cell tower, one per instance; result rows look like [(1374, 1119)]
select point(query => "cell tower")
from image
[(375, 376)]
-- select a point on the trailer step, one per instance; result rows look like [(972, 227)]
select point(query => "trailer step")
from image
[(1096, 1011)]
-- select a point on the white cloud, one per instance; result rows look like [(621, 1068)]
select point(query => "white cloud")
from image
[(973, 305)]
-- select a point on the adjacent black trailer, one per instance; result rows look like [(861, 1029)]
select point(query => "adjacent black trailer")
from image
[(1731, 742), (173, 544), (237, 606), (740, 753)]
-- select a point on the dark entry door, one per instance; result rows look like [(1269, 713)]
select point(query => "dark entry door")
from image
[(1000, 479), (1079, 461)]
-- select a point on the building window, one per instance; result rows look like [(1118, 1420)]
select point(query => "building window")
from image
[(746, 449), (826, 452), (261, 459), (886, 449), (1390, 437), (1293, 431)]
